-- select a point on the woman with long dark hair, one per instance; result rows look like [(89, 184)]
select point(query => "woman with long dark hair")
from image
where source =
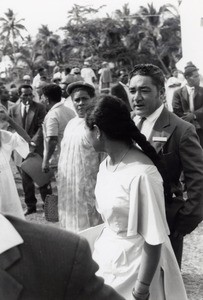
[(133, 250)]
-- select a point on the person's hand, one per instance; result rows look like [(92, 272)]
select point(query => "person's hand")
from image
[(189, 117), (45, 167)]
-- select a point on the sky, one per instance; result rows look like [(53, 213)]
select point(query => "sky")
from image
[(54, 12)]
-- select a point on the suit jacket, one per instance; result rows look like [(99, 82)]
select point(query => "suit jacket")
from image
[(34, 119), (119, 91), (51, 264), (181, 105), (176, 140)]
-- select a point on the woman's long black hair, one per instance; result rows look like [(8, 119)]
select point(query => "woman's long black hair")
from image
[(112, 116)]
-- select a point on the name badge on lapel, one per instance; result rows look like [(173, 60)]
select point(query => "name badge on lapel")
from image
[(159, 139)]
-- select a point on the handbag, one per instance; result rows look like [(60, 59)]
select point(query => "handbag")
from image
[(32, 165), (51, 208)]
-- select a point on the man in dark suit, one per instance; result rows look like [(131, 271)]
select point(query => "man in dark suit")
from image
[(30, 116), (120, 89), (188, 100), (178, 144), (45, 263)]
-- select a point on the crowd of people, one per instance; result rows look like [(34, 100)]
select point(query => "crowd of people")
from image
[(128, 170)]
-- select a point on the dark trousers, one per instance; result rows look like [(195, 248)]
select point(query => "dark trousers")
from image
[(177, 245), (29, 190)]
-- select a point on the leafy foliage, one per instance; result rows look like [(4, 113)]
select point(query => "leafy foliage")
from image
[(149, 35)]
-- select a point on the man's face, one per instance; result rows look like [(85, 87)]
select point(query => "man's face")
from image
[(81, 100), (26, 95), (194, 79), (145, 97)]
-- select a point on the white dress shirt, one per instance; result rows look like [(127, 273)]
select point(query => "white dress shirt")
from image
[(149, 122)]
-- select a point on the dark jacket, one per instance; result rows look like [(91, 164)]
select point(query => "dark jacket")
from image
[(34, 119), (51, 264), (176, 140)]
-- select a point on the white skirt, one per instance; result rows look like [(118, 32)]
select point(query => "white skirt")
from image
[(119, 259)]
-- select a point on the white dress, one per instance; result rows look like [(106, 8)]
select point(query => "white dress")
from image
[(10, 201), (77, 172), (131, 203)]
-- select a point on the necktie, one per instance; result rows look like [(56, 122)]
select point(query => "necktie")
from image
[(140, 123), (191, 99), (24, 116)]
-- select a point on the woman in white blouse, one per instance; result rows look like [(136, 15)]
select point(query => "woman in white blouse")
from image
[(133, 250)]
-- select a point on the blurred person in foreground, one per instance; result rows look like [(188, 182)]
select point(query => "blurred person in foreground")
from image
[(40, 262), (9, 141), (178, 144), (78, 166), (133, 250)]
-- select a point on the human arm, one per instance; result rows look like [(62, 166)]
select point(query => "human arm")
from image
[(147, 218), (14, 125), (149, 261), (176, 103), (40, 113), (48, 152)]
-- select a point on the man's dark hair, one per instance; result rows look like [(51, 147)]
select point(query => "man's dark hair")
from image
[(53, 92), (23, 86), (152, 71)]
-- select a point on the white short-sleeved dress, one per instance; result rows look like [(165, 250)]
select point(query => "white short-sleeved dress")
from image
[(131, 203), (10, 201)]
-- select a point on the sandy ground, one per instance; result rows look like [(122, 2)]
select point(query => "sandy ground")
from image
[(192, 265)]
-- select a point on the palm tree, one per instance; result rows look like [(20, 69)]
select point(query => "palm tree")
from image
[(10, 33), (151, 23), (11, 27), (78, 12), (48, 44)]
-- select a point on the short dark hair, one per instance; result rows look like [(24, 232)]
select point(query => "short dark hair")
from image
[(152, 71), (24, 86), (53, 92)]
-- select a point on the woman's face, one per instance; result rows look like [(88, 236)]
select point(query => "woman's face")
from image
[(81, 100), (93, 137)]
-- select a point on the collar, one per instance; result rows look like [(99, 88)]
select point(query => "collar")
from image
[(9, 236), (153, 117), (190, 88), (56, 105)]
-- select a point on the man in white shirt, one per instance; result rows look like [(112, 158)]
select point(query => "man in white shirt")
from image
[(54, 124), (176, 141)]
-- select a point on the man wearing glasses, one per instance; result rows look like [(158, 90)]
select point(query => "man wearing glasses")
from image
[(30, 115)]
